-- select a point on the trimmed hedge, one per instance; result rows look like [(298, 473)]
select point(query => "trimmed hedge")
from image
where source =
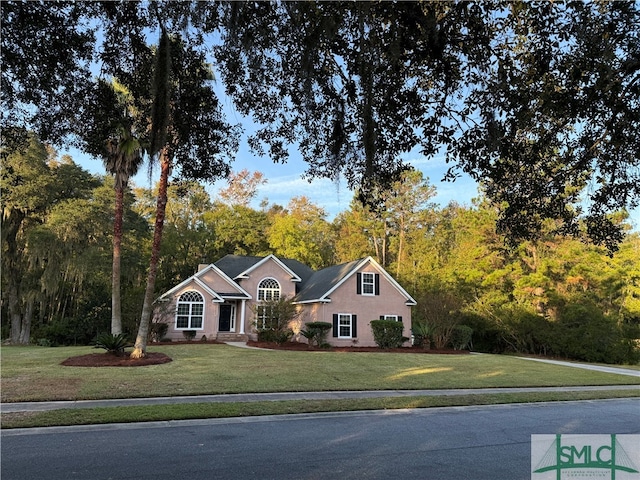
[(388, 333)]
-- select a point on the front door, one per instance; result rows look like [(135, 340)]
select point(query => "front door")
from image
[(226, 312)]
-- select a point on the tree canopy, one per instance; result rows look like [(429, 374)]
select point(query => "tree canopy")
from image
[(539, 102)]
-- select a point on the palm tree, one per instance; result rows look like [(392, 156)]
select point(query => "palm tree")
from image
[(108, 132), (158, 148), (187, 133), (122, 160)]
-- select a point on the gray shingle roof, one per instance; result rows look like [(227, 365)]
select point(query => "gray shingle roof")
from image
[(324, 280), (314, 285), (234, 265)]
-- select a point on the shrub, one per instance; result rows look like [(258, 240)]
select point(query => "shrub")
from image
[(388, 333), (421, 335), (189, 334), (584, 333), (114, 344), (157, 331), (461, 337), (274, 336), (274, 318), (316, 333), (67, 331), (440, 308)]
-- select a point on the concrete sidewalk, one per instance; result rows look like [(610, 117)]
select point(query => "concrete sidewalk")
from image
[(275, 397)]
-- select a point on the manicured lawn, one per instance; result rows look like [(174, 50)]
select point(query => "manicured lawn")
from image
[(35, 373)]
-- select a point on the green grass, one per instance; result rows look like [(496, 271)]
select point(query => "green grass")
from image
[(226, 410), (35, 373)]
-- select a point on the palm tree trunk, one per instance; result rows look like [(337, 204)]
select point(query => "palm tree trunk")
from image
[(116, 302), (140, 347)]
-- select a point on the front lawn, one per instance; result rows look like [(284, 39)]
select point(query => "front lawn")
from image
[(35, 373)]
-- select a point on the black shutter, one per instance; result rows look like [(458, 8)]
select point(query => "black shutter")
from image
[(381, 317), (335, 324), (377, 279), (359, 284), (400, 318), (354, 326)]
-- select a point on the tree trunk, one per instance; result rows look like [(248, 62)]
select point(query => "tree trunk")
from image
[(140, 347), (25, 330), (14, 311), (116, 304), (11, 224), (400, 245)]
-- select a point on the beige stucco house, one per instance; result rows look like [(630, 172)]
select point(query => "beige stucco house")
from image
[(220, 300)]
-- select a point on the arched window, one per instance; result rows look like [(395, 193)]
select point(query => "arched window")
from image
[(190, 311), (269, 289)]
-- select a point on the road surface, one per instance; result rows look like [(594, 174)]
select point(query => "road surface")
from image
[(475, 443)]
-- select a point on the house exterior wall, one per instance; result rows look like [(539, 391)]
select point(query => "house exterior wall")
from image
[(269, 269), (166, 312), (216, 283), (346, 300)]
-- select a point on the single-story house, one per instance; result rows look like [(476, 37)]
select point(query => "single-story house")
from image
[(220, 301)]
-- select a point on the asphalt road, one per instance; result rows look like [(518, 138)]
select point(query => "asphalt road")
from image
[(472, 443)]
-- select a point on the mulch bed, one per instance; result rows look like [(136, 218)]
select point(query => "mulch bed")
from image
[(111, 360), (296, 346)]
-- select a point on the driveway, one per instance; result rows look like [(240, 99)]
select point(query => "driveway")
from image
[(586, 366)]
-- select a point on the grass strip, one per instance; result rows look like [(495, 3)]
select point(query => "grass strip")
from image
[(147, 413)]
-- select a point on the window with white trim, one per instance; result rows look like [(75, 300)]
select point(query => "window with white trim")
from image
[(269, 289), (264, 317), (344, 325), (390, 317), (190, 311), (368, 283)]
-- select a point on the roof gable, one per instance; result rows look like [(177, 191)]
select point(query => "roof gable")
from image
[(234, 289), (238, 266), (324, 282)]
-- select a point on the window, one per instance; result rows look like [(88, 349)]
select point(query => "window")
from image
[(269, 289), (190, 311), (368, 284), (345, 325), (264, 317), (395, 318)]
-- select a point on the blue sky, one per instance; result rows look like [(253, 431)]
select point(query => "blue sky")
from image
[(284, 181)]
